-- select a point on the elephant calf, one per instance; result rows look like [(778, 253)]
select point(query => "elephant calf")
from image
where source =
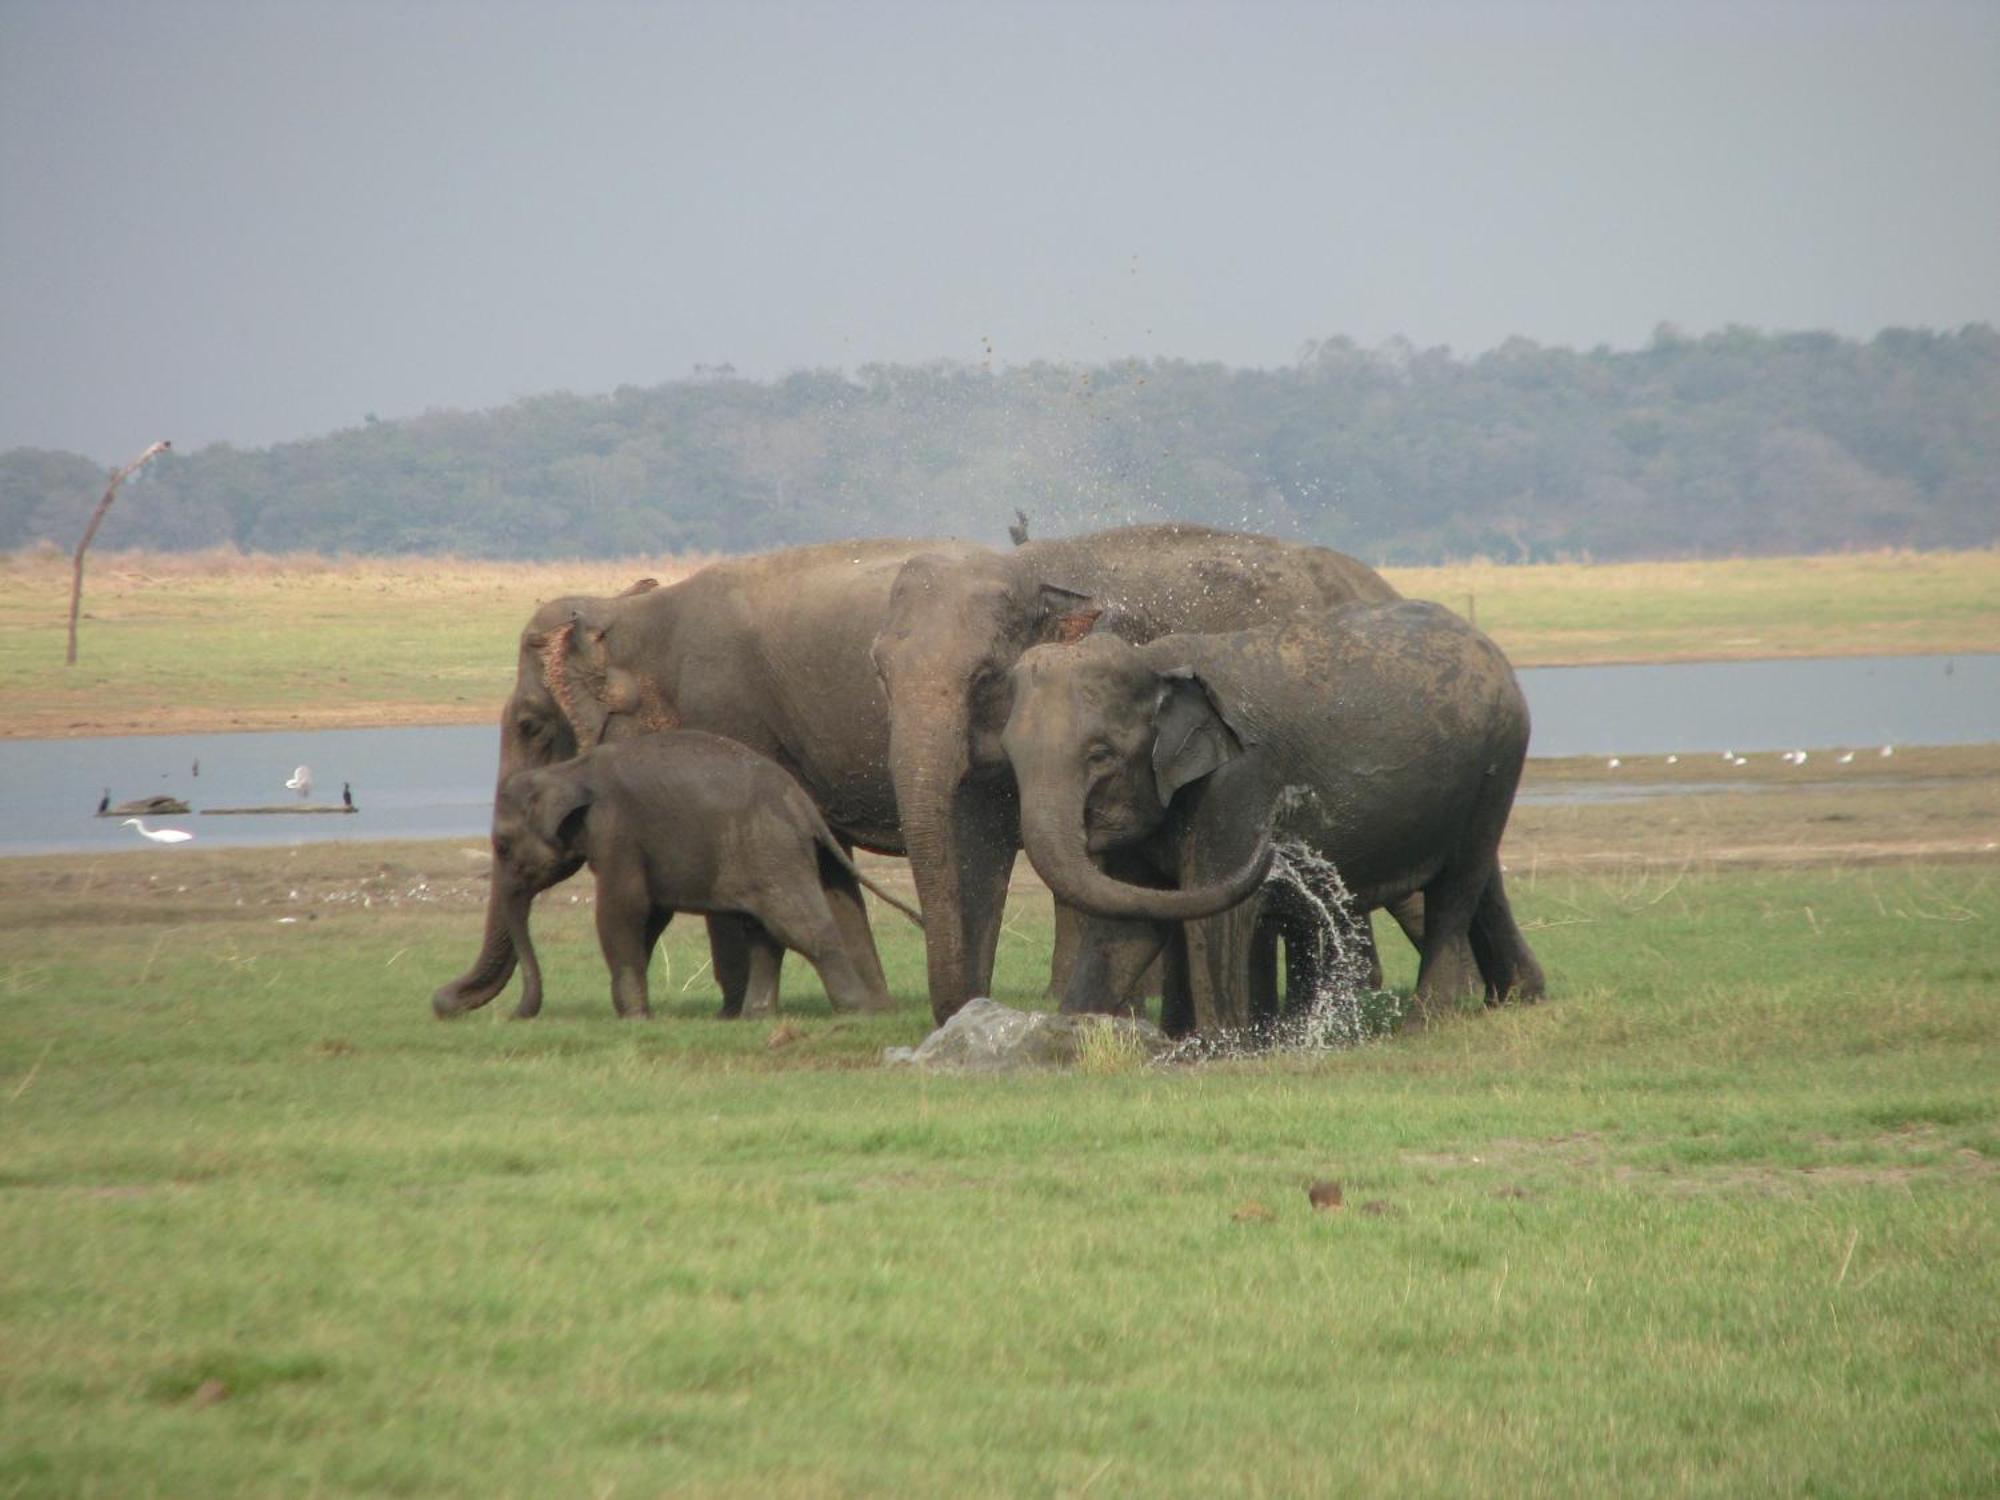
[(678, 821)]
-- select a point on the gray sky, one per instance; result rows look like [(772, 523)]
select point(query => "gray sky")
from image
[(259, 221)]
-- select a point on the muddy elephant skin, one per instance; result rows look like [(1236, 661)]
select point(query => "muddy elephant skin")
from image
[(770, 651), (678, 821), (1388, 738), (956, 626)]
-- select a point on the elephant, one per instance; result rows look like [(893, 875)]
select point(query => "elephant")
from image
[(771, 651), (1387, 738), (956, 625), (679, 821)]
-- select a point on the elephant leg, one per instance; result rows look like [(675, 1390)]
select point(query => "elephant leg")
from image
[(1217, 839), (1409, 914), (986, 861), (1176, 994), (1261, 987), (1112, 958), (626, 932), (808, 928), (1069, 935), (1219, 967), (850, 912), (746, 963), (853, 946), (1506, 962), (1447, 972), (1062, 958)]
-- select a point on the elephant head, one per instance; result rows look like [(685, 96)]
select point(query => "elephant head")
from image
[(952, 632), (1102, 744), (538, 819), (572, 690)]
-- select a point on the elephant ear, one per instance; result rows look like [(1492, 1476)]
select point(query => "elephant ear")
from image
[(1191, 738), (557, 800), (1066, 616)]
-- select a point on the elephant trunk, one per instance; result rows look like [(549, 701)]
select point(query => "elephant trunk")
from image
[(518, 898), (929, 764), (1054, 833), (527, 739), (490, 971)]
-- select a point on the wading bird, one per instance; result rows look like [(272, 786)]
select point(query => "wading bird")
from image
[(158, 835), (104, 802), (347, 796), (301, 782)]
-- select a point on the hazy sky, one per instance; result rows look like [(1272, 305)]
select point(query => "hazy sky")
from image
[(259, 221)]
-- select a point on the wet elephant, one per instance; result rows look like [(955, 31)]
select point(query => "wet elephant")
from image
[(1387, 739), (954, 628)]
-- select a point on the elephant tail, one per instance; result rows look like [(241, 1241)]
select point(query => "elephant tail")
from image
[(832, 846)]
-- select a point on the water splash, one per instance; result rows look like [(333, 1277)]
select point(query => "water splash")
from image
[(1332, 1004)]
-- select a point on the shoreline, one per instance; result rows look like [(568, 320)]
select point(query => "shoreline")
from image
[(54, 723)]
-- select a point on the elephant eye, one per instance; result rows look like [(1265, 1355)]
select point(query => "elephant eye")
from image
[(1100, 754)]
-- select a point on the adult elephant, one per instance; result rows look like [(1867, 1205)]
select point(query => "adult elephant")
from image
[(1386, 738), (955, 627), (771, 651)]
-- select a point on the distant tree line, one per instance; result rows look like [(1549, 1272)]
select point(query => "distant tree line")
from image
[(1736, 442)]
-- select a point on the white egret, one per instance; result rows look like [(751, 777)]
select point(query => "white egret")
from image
[(1673, 760), (1739, 760), (1847, 759), (1887, 751), (158, 835), (1614, 763), (301, 782)]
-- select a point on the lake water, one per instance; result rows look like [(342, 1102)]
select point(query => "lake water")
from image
[(438, 783)]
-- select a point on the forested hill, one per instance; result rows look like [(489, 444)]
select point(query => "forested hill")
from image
[(1738, 442)]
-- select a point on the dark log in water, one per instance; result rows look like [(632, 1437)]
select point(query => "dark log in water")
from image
[(146, 807), (278, 808)]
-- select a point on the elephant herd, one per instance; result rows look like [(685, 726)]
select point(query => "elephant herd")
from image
[(1145, 710)]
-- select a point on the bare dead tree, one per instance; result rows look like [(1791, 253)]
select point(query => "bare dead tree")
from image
[(90, 533)]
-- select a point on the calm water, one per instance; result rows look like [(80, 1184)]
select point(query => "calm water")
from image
[(437, 783)]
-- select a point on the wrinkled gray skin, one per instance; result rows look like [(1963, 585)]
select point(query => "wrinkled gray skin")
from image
[(680, 821), (771, 651), (1388, 738), (954, 629)]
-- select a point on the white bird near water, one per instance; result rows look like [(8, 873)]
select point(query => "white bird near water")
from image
[(1847, 759), (1673, 760), (301, 782), (1614, 763), (158, 835), (1887, 751)]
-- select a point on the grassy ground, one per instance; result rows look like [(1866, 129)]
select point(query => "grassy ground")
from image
[(205, 642), (1717, 1218)]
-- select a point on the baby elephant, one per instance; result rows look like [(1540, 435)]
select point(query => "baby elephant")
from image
[(679, 821)]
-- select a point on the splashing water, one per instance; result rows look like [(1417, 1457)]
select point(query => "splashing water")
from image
[(1331, 1003)]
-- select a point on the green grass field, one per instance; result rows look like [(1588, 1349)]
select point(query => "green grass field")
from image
[(202, 642), (1718, 1218)]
